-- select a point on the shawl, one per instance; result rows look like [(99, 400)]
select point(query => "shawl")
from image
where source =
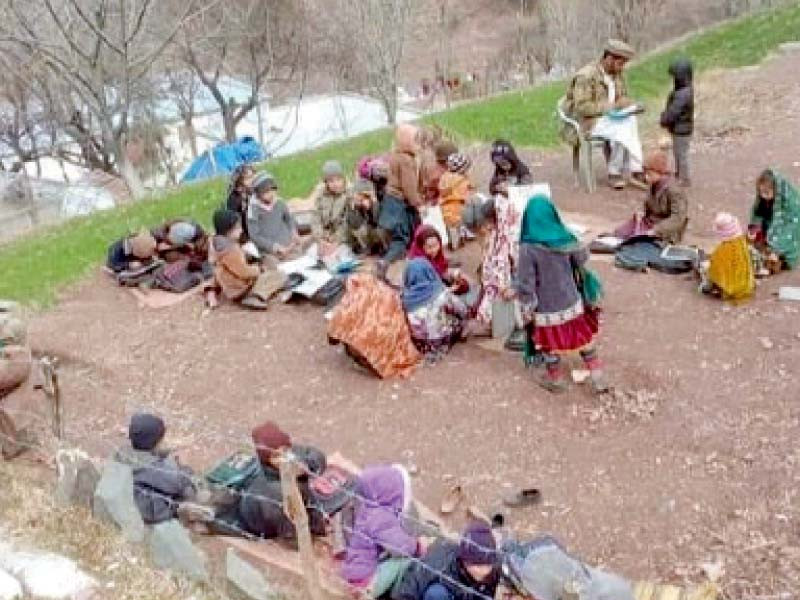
[(783, 235), (519, 172), (731, 269), (542, 225), (421, 284), (417, 249)]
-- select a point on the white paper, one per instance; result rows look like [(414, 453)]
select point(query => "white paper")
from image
[(621, 131), (519, 195), (306, 265), (789, 293), (432, 216)]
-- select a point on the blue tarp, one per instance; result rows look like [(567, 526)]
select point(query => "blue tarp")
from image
[(222, 159)]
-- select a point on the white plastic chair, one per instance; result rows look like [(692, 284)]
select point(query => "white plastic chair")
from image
[(582, 165)]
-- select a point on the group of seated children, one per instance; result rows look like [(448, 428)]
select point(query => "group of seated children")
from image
[(385, 550)]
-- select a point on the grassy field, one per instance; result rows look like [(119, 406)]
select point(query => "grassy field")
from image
[(35, 267)]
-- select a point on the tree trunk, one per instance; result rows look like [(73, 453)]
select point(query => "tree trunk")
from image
[(230, 124), (128, 172), (188, 124)]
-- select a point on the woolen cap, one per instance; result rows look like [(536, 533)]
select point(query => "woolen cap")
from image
[(263, 182), (145, 431), (268, 438), (620, 48), (458, 163), (181, 233), (478, 546), (332, 168), (727, 227), (143, 245)]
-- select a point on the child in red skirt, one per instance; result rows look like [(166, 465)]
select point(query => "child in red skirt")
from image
[(557, 294)]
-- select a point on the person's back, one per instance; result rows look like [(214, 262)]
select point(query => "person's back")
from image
[(232, 273)]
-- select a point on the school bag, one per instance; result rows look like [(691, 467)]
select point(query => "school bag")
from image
[(642, 252), (177, 277)]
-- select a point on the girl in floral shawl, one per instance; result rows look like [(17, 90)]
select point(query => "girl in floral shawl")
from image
[(775, 221), (557, 294)]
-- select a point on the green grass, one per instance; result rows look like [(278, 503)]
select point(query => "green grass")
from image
[(33, 268)]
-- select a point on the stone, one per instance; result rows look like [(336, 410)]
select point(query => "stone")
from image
[(77, 478), (10, 588), (47, 576), (246, 578), (113, 501), (171, 548)]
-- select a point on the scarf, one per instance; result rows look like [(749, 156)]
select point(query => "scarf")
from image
[(542, 225), (417, 249), (421, 284), (731, 269), (783, 235)]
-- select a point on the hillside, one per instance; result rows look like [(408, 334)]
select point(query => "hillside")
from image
[(36, 267)]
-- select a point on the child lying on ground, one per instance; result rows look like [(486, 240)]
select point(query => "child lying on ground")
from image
[(455, 188), (132, 252), (160, 483), (253, 286), (179, 239)]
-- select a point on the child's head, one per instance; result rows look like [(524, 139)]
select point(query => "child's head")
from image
[(271, 443), (243, 178), (146, 432), (459, 163), (143, 245), (407, 138), (765, 186), (727, 227), (477, 551), (681, 71), (333, 176), (428, 239), (364, 193), (228, 223), (181, 233), (443, 150), (656, 167), (265, 188), (504, 156)]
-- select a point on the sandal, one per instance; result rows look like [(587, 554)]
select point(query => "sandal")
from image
[(523, 497), (451, 500)]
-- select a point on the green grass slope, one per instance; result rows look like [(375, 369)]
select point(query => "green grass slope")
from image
[(34, 267)]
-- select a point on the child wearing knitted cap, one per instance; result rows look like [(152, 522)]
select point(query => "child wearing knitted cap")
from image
[(729, 274), (362, 219), (160, 482), (455, 188), (270, 225), (331, 201), (132, 252)]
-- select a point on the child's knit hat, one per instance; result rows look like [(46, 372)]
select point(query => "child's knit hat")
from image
[(458, 163)]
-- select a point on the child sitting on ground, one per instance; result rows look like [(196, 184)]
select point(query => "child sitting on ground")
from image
[(433, 174), (331, 200), (132, 252), (270, 225), (730, 270), (455, 188), (160, 483), (678, 117), (179, 239), (362, 219), (253, 286)]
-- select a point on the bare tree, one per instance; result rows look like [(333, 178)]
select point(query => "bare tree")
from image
[(102, 52), (183, 86), (257, 42), (629, 18), (378, 30)]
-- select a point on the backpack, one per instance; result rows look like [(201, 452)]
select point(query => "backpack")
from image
[(235, 472), (177, 277)]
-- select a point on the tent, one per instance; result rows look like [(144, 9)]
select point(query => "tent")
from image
[(222, 159)]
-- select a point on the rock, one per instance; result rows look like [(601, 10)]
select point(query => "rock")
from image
[(171, 548), (47, 576), (246, 578), (77, 478), (113, 501), (10, 588)]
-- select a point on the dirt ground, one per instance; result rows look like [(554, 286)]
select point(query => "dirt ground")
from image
[(695, 462)]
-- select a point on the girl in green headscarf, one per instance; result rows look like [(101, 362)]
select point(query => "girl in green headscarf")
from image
[(559, 297), (775, 221)]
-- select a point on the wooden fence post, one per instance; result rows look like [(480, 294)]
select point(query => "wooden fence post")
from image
[(295, 510)]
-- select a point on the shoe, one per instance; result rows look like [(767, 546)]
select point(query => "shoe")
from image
[(599, 383), (638, 181), (254, 303), (553, 385), (451, 500), (523, 497), (616, 182)]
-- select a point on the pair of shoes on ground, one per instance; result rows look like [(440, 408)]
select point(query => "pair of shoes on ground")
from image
[(514, 499), (558, 385)]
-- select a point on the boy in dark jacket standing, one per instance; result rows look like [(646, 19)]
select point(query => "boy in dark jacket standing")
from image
[(678, 117)]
